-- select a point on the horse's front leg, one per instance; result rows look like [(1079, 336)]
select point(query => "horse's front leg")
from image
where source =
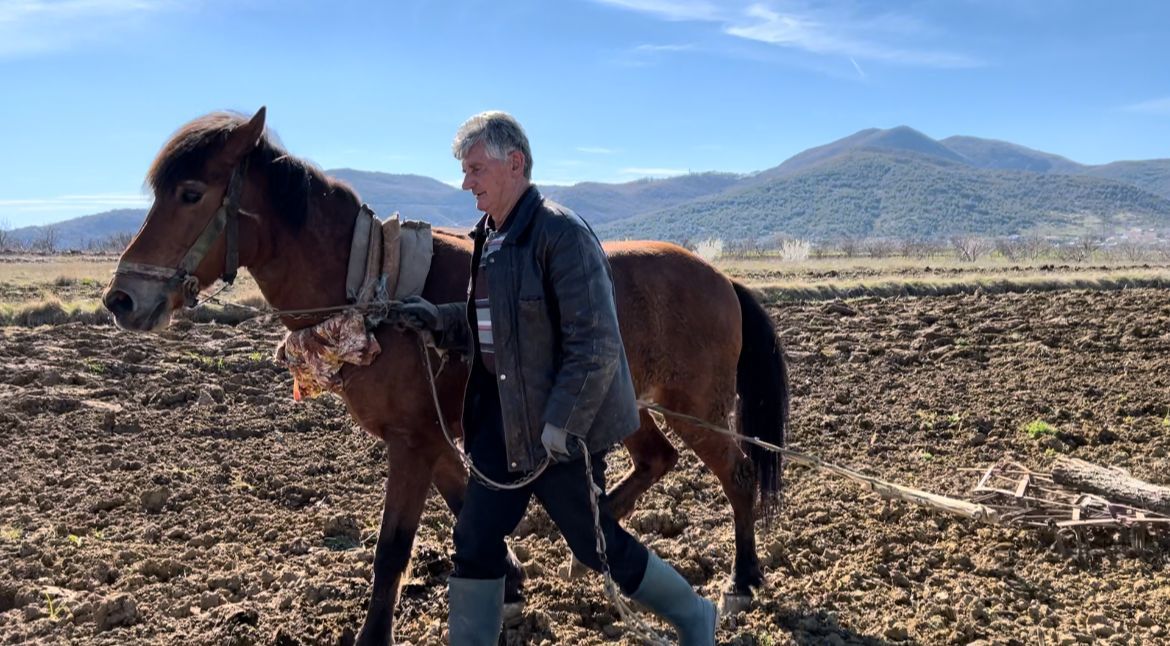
[(406, 491)]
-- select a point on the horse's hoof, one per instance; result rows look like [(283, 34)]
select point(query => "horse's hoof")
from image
[(513, 613), (734, 602)]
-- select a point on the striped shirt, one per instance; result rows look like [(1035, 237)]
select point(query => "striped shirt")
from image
[(483, 310)]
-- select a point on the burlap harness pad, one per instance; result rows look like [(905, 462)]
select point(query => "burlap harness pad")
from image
[(388, 261)]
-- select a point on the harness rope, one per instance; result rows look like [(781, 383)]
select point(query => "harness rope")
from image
[(635, 623)]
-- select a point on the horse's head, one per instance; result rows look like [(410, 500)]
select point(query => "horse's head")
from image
[(190, 236)]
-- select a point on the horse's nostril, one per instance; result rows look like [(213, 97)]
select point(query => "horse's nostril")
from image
[(118, 302)]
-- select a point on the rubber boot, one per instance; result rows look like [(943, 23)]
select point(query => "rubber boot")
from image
[(475, 614), (668, 595)]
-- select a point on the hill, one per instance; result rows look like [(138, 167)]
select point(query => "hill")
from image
[(1152, 175), (600, 203), (415, 197), (875, 182), (874, 193), (1002, 155), (83, 232), (899, 140)]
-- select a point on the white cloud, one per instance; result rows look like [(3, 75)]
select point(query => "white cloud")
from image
[(29, 27), (1153, 106), (108, 201), (670, 9), (860, 72), (824, 30), (662, 48), (653, 172)]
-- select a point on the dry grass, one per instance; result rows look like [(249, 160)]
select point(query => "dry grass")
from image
[(52, 311), (899, 264), (37, 270), (38, 290), (960, 284), (51, 290)]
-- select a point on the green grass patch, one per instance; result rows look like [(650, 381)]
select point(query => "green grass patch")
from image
[(209, 363), (1038, 428), (94, 366), (11, 534)]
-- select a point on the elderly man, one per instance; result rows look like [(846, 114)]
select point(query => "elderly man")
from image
[(549, 379)]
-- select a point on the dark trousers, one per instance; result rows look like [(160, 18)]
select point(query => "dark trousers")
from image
[(488, 516)]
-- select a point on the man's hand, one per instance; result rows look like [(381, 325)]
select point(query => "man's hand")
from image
[(417, 313), (560, 446)]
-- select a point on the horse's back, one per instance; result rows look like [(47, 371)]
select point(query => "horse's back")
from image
[(679, 315)]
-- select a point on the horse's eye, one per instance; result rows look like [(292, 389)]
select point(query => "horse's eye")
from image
[(190, 196)]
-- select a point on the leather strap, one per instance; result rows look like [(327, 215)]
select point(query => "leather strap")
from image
[(226, 218)]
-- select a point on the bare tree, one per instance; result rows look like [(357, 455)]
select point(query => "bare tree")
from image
[(970, 248), (848, 246), (5, 236), (1079, 250), (113, 243), (878, 248), (47, 239)]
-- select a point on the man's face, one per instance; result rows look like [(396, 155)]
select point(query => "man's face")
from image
[(494, 182)]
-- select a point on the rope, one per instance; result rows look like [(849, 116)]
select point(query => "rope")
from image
[(528, 479), (634, 622)]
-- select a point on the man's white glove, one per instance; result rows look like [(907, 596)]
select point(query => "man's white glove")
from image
[(559, 444)]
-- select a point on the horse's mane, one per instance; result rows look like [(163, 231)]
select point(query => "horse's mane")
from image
[(290, 180)]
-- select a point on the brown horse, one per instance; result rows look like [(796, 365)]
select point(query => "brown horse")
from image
[(694, 338)]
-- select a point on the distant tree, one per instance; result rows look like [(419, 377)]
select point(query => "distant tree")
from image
[(848, 246), (113, 243), (709, 249), (5, 236), (879, 247), (970, 248), (1130, 251), (1079, 250), (46, 241), (793, 250)]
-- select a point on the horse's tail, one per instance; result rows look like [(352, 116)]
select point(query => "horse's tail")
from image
[(762, 384)]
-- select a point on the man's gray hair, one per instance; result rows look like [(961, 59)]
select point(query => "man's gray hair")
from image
[(500, 133)]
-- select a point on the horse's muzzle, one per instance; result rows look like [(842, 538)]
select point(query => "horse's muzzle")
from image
[(137, 304)]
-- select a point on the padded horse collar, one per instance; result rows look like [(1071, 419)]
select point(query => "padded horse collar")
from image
[(226, 218)]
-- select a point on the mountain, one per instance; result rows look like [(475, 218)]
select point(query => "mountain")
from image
[(1153, 174), (82, 233), (990, 153), (600, 203), (899, 140), (875, 193), (415, 197), (876, 182)]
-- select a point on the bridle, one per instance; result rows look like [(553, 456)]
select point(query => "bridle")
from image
[(226, 220)]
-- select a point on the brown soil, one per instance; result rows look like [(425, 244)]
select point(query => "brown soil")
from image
[(167, 490)]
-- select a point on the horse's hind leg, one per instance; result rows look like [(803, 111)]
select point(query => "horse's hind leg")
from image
[(736, 474), (653, 457), (451, 481)]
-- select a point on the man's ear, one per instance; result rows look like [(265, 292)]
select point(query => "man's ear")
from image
[(244, 138), (516, 161)]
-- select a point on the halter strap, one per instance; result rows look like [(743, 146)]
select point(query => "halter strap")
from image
[(226, 218)]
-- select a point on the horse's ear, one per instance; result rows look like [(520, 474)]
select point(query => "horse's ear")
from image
[(244, 138)]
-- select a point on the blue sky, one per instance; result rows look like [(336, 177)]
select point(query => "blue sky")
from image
[(609, 90)]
